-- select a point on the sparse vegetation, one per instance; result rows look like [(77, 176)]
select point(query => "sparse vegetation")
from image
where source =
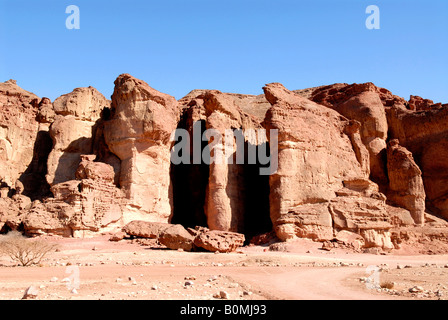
[(23, 250)]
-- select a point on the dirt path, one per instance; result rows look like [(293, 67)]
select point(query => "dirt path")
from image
[(124, 271)]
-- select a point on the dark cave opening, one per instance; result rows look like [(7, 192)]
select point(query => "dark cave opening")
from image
[(33, 179), (257, 218), (189, 185)]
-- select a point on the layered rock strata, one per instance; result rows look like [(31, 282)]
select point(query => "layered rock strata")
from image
[(351, 161)]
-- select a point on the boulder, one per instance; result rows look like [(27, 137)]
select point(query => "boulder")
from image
[(350, 239), (311, 221), (118, 236), (145, 229), (216, 240), (176, 237)]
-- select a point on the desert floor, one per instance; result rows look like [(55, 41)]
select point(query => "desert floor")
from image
[(100, 269)]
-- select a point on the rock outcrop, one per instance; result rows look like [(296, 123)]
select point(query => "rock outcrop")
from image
[(18, 134), (424, 134), (350, 164), (81, 207), (321, 156), (139, 133), (72, 131), (230, 124), (314, 154), (406, 187), (366, 104)]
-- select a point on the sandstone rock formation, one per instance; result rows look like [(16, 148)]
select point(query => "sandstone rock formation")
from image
[(83, 165), (139, 134), (405, 181), (314, 154), (424, 134), (236, 195), (18, 131), (72, 131), (176, 237), (79, 207), (321, 155), (364, 103)]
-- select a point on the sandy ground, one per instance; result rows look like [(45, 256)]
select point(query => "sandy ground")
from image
[(100, 269)]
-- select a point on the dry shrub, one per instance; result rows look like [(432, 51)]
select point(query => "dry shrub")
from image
[(23, 250)]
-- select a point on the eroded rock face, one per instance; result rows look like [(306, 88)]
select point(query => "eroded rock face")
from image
[(79, 207), (417, 103), (83, 103), (18, 131), (366, 104), (321, 155), (314, 154), (72, 131), (405, 181), (424, 134), (139, 134), (109, 163), (233, 188)]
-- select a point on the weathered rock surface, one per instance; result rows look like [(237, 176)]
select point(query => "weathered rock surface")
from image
[(366, 104), (84, 164), (139, 134), (18, 132), (216, 240), (79, 207), (233, 185), (145, 229), (424, 134), (82, 103), (406, 187), (176, 237), (314, 154), (72, 131), (417, 103), (321, 155)]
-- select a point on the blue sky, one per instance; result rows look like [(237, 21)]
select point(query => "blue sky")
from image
[(233, 45)]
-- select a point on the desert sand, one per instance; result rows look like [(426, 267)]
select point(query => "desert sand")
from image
[(126, 270)]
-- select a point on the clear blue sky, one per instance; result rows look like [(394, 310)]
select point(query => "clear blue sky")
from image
[(233, 45)]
